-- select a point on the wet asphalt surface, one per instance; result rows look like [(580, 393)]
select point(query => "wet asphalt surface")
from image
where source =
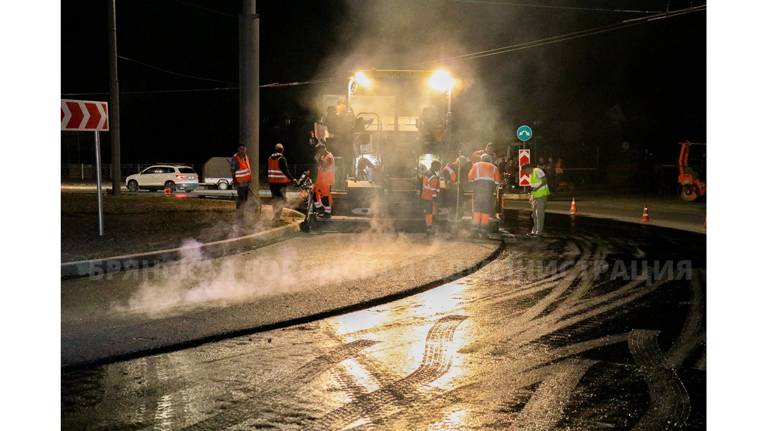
[(596, 325)]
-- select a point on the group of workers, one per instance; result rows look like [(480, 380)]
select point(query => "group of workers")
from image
[(483, 175), (485, 178), (279, 176)]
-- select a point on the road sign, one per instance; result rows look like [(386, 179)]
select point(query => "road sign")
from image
[(524, 133), (84, 115), (523, 158), (88, 116)]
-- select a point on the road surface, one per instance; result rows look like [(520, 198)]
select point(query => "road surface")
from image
[(563, 332)]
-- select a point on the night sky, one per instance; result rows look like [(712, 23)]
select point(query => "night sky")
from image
[(643, 85)]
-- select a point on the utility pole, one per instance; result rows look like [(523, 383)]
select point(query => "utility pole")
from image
[(249, 90), (114, 100)]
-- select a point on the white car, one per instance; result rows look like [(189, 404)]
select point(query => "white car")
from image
[(159, 177)]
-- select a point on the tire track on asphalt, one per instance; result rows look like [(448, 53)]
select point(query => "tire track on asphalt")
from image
[(547, 405), (245, 408), (391, 398), (670, 404), (691, 336)]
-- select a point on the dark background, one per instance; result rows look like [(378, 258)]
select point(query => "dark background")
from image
[(629, 95)]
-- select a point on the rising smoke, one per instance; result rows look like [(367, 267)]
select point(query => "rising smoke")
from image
[(425, 34)]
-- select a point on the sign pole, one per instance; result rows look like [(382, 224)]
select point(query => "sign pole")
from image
[(98, 183)]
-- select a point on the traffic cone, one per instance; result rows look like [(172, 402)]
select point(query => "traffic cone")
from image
[(573, 206), (645, 217)]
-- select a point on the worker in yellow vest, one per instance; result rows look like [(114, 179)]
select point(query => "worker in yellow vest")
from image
[(538, 199)]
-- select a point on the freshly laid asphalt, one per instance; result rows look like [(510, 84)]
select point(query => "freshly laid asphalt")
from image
[(182, 304), (595, 325)]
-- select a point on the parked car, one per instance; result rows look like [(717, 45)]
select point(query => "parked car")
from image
[(159, 177)]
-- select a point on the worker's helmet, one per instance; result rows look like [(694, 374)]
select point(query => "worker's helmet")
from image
[(486, 157)]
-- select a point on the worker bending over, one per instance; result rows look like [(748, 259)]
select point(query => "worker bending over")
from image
[(430, 188), (278, 176), (484, 176), (325, 178), (538, 199)]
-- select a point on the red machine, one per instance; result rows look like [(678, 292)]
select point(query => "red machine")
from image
[(692, 185)]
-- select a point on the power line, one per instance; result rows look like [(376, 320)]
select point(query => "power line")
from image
[(542, 6), (185, 75), (203, 90), (183, 90), (573, 35)]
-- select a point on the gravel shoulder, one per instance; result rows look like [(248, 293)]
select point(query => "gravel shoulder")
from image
[(144, 222)]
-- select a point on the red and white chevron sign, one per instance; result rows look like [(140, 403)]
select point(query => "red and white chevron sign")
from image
[(523, 158), (84, 115)]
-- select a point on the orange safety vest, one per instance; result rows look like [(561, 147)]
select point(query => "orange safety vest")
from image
[(243, 172), (325, 170), (485, 171), (274, 174), (430, 186)]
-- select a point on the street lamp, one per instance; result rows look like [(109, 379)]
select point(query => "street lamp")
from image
[(360, 79), (442, 81)]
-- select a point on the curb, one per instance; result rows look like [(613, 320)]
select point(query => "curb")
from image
[(290, 322), (684, 226), (94, 267)]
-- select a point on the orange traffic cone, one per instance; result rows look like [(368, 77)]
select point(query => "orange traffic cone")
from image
[(645, 217), (573, 206)]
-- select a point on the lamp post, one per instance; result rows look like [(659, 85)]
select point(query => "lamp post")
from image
[(441, 80)]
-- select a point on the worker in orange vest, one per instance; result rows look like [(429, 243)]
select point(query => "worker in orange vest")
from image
[(325, 178), (240, 166), (430, 188), (278, 177), (485, 177)]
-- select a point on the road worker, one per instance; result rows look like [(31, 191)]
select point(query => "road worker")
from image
[(450, 173), (325, 178), (278, 177), (538, 199), (485, 177), (430, 188), (240, 166)]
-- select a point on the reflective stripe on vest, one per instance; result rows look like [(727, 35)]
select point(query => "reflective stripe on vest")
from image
[(542, 191), (243, 173), (274, 174), (429, 187), (482, 172)]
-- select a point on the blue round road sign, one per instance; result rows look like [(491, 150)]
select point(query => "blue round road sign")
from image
[(524, 133)]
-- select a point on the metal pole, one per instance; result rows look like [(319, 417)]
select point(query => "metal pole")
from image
[(458, 189), (114, 100), (249, 91), (98, 184)]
